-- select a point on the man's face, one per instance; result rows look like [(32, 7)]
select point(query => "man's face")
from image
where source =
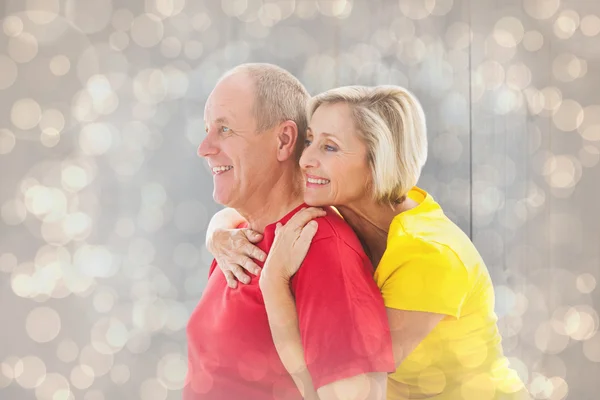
[(239, 156)]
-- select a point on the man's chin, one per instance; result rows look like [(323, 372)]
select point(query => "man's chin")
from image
[(222, 199)]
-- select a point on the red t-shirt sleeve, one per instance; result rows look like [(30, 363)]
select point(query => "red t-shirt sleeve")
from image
[(341, 314)]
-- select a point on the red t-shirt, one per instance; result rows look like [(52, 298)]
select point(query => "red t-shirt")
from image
[(341, 315)]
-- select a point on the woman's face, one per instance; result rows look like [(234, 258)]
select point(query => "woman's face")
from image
[(334, 162)]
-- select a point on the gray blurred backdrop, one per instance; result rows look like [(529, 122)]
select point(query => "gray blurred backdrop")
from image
[(104, 202)]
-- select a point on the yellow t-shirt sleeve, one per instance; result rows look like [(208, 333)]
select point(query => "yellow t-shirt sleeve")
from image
[(424, 277)]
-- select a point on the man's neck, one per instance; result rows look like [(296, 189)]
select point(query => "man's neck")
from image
[(275, 202)]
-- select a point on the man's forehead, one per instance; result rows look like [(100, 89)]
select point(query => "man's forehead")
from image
[(227, 102), (220, 112)]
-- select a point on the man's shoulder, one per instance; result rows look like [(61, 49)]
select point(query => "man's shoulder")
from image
[(333, 230)]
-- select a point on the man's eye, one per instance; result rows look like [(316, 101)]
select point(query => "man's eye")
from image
[(225, 129), (330, 148)]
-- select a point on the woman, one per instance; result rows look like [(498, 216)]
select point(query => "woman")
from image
[(364, 153)]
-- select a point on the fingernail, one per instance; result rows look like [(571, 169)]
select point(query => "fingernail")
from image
[(256, 271), (246, 280)]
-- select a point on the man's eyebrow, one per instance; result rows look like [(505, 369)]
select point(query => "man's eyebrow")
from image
[(221, 120)]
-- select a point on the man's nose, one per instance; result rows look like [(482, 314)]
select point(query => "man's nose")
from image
[(207, 147)]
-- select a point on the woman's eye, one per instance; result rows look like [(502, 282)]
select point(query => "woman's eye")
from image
[(225, 129), (306, 142), (330, 148)]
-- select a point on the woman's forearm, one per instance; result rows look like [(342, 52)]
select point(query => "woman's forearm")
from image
[(283, 320), (227, 218)]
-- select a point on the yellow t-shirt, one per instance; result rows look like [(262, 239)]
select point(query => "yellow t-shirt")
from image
[(431, 265)]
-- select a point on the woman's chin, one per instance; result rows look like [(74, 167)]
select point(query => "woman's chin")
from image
[(315, 202)]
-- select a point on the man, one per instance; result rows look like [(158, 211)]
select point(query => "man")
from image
[(255, 132)]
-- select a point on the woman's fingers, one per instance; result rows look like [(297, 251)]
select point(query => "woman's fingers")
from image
[(304, 216), (306, 237)]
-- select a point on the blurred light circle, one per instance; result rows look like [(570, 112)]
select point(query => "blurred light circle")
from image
[(43, 324), (122, 19), (590, 126), (120, 374), (152, 389), (552, 98), (138, 341), (12, 26), (508, 31), (82, 377), (150, 86), (100, 363), (439, 7), (569, 115), (67, 351), (119, 41), (109, 335), (7, 141), (30, 372), (147, 30), (415, 10), (533, 41), (42, 11), (25, 113), (60, 65), (590, 25), (589, 155), (193, 49), (50, 137), (171, 371), (8, 72), (586, 283), (54, 386), (541, 9), (23, 47), (94, 395), (566, 24), (518, 76), (170, 47), (89, 16), (548, 341), (104, 300), (96, 138), (591, 348), (169, 8)]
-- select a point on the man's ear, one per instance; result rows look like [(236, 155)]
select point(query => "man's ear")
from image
[(287, 136)]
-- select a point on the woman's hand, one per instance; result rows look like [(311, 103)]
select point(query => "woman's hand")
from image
[(291, 245), (234, 250)]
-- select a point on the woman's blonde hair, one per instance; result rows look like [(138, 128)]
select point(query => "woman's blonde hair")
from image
[(391, 122)]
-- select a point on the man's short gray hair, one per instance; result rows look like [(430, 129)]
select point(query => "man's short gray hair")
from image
[(279, 97)]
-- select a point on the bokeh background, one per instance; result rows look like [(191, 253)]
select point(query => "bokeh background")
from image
[(104, 202)]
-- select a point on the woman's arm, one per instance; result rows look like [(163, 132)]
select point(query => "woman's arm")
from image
[(408, 329), (285, 257), (283, 321), (227, 218)]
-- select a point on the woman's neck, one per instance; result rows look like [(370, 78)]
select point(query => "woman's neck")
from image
[(371, 222)]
